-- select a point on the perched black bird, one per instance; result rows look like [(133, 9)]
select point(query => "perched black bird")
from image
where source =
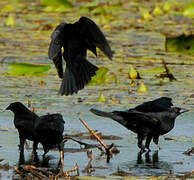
[(149, 120), (47, 129), (75, 39)]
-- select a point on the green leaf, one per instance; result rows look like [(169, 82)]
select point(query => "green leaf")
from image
[(57, 3), (166, 6), (10, 21), (142, 88), (102, 98), (8, 8), (27, 68), (182, 44), (98, 10), (103, 76), (189, 10)]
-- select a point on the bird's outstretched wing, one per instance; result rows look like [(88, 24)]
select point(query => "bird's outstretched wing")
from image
[(93, 36), (157, 105), (55, 46)]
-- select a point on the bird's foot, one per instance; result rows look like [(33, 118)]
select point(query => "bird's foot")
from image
[(159, 147), (148, 150), (61, 172), (142, 150)]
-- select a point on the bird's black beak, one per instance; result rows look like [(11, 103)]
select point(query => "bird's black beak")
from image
[(183, 110), (7, 108)]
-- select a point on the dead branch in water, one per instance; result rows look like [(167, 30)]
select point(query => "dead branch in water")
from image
[(108, 149)]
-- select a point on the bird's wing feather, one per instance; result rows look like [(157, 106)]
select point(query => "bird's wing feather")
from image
[(157, 105), (53, 122), (55, 46), (137, 117), (93, 36)]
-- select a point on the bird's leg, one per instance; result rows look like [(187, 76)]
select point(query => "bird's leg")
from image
[(156, 140), (21, 149), (147, 157), (61, 150), (155, 157), (147, 144), (35, 146), (46, 150), (140, 145)]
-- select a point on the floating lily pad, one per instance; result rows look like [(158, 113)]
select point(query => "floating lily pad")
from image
[(103, 76), (56, 3), (182, 44), (10, 21), (27, 68), (189, 10)]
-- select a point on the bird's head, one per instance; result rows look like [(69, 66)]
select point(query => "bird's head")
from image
[(178, 110), (16, 106)]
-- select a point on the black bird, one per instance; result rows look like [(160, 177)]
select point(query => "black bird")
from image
[(24, 120), (149, 120), (75, 39), (47, 129)]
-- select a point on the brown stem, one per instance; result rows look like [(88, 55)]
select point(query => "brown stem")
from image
[(94, 134)]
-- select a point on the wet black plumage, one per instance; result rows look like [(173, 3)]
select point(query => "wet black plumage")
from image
[(47, 129), (75, 39), (149, 120)]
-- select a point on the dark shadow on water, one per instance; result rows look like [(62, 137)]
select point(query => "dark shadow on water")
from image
[(149, 164)]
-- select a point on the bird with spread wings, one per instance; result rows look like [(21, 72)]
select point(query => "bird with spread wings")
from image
[(75, 39)]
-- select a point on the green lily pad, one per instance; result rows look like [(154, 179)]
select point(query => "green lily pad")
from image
[(189, 10), (103, 76), (182, 44), (57, 5), (27, 68)]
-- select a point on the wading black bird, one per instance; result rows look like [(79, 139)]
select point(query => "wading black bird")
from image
[(24, 120), (75, 39), (149, 120), (47, 129)]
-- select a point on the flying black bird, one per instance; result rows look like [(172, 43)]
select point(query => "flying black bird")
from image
[(149, 120), (75, 39), (47, 129)]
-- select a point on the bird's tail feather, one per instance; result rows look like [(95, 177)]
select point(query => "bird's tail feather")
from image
[(102, 113), (76, 77), (115, 115)]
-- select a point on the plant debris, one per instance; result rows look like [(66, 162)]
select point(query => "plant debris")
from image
[(189, 152), (167, 73)]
